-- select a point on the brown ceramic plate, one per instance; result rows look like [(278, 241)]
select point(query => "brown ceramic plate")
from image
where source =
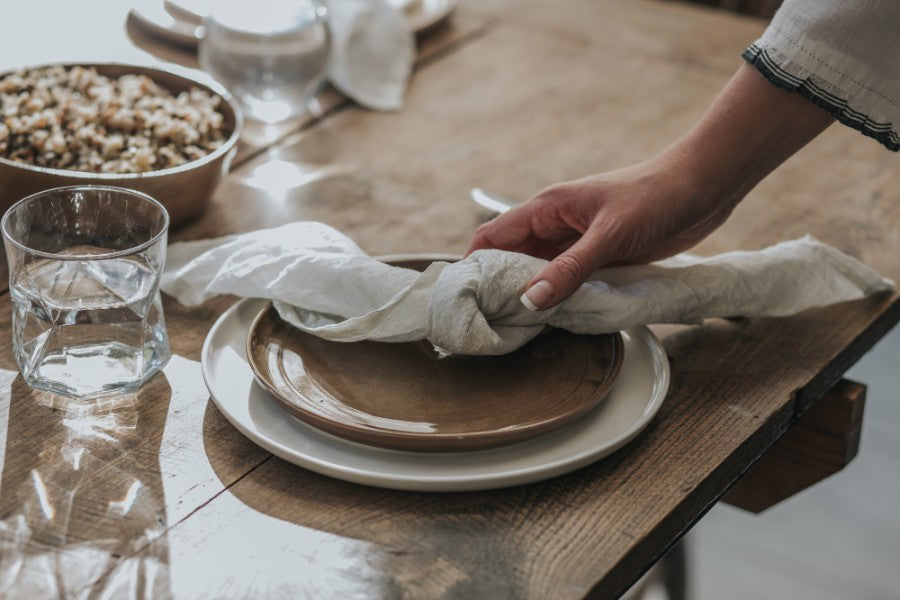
[(402, 396)]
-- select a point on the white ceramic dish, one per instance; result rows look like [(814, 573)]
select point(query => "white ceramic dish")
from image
[(635, 398)]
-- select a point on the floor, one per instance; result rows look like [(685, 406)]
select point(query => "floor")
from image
[(839, 540)]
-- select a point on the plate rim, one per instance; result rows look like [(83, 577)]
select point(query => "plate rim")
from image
[(439, 482)]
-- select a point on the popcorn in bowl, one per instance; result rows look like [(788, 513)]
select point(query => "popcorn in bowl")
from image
[(168, 132), (75, 118)]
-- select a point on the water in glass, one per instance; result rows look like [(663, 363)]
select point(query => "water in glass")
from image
[(87, 318), (272, 57)]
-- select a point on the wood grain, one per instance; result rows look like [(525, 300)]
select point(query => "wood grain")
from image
[(539, 92)]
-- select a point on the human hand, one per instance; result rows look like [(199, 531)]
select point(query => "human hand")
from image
[(632, 215), (662, 206)]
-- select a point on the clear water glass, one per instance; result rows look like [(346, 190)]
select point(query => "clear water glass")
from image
[(84, 269), (272, 55)]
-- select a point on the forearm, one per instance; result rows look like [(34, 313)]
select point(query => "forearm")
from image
[(661, 206), (750, 129)]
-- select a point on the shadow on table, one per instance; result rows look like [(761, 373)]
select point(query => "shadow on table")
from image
[(79, 498)]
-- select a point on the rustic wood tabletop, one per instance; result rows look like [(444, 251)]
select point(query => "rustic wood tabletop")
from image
[(158, 495)]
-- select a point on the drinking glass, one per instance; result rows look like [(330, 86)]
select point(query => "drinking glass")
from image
[(84, 269), (272, 55)]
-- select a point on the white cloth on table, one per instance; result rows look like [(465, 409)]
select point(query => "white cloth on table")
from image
[(324, 284), (372, 53), (844, 56)]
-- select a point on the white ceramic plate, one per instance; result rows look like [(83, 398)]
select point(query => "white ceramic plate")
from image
[(635, 398), (179, 23)]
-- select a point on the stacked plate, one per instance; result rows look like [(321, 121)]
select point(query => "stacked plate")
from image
[(399, 416)]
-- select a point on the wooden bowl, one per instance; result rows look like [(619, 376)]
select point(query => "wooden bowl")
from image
[(185, 190)]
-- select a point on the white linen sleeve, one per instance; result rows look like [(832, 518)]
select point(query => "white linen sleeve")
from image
[(843, 56)]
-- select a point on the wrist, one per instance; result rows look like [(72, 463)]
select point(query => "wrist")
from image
[(748, 131), (706, 185)]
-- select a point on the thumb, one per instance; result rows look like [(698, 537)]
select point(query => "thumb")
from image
[(562, 276)]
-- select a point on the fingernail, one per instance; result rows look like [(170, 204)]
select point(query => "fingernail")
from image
[(538, 295)]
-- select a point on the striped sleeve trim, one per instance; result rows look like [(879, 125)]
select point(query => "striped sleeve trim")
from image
[(837, 106)]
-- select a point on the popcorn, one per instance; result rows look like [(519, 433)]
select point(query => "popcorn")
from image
[(74, 118)]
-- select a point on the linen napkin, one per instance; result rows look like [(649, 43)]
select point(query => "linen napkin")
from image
[(372, 52), (323, 283)]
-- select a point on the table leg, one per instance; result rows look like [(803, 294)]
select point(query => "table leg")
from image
[(820, 443)]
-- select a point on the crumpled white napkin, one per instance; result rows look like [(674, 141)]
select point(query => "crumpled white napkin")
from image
[(372, 52), (323, 283)]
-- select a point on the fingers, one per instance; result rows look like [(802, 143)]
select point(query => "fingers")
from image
[(638, 213), (563, 275), (549, 226), (509, 231)]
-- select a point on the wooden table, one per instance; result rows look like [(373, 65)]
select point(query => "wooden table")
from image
[(159, 496)]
